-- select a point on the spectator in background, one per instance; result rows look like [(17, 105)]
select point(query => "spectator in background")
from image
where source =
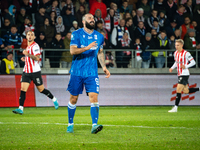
[(54, 8), (62, 5), (189, 9), (106, 44), (147, 9), (177, 34), (98, 15), (42, 42), (5, 28), (82, 3), (27, 26), (154, 37), (53, 18), (5, 4), (12, 40), (124, 8), (29, 8), (118, 33), (1, 46), (79, 15), (150, 20), (130, 26), (116, 10), (46, 4), (196, 16), (160, 55), (148, 44), (66, 58), (7, 64), (133, 14), (57, 43), (190, 42), (68, 18), (48, 30), (111, 21), (170, 7), (179, 15), (197, 33), (163, 20), (140, 31), (11, 15), (139, 17), (21, 18), (170, 29), (127, 15), (98, 5), (170, 58), (184, 27), (138, 47), (60, 28), (109, 60), (123, 57), (156, 25), (74, 27), (69, 5), (159, 5), (41, 15), (100, 28)]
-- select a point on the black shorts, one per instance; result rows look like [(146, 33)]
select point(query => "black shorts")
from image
[(183, 80), (36, 77)]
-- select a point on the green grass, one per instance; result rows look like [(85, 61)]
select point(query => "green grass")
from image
[(124, 128)]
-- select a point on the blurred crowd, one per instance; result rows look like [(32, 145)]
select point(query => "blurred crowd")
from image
[(126, 24)]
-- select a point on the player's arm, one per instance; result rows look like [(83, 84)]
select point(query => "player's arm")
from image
[(102, 62), (37, 57), (74, 50), (190, 59), (173, 67)]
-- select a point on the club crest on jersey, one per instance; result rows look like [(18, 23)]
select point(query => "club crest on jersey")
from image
[(95, 37), (83, 36)]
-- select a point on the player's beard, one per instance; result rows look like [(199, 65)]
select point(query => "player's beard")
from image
[(91, 27)]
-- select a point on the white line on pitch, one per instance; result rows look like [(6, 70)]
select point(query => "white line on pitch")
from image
[(128, 126)]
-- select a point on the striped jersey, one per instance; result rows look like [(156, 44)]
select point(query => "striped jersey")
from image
[(31, 65), (184, 57)]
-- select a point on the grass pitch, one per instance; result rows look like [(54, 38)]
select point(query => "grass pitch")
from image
[(124, 128)]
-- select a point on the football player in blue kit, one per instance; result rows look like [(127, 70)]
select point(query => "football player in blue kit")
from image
[(86, 45)]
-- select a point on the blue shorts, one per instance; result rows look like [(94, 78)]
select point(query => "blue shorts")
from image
[(77, 83)]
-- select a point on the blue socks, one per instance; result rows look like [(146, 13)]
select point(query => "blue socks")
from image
[(71, 113), (94, 111)]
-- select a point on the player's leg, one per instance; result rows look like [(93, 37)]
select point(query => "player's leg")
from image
[(92, 88), (37, 80), (94, 111), (71, 113), (46, 92), (24, 88), (25, 82), (179, 89), (75, 87)]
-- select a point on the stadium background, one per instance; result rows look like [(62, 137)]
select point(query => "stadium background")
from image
[(117, 90)]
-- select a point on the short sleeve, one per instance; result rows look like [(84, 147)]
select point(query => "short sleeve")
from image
[(102, 41), (189, 56), (36, 50), (74, 39)]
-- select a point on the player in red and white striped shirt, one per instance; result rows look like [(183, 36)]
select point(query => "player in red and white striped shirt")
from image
[(31, 72), (182, 58)]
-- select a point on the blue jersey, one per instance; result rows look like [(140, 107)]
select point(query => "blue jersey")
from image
[(85, 64)]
